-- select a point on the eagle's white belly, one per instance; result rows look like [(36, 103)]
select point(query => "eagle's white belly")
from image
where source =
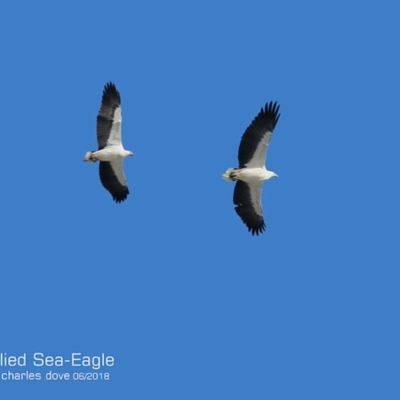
[(255, 174), (110, 154)]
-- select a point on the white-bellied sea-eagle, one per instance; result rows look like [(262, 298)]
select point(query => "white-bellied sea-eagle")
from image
[(111, 152), (252, 173)]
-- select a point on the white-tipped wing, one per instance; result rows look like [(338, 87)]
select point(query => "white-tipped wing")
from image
[(109, 118), (247, 198), (113, 179), (255, 140)]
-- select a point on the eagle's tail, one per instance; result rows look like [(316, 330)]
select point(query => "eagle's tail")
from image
[(230, 175), (89, 157)]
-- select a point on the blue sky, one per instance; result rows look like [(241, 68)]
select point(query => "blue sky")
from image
[(170, 283)]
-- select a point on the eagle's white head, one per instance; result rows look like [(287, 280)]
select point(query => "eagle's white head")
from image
[(270, 174)]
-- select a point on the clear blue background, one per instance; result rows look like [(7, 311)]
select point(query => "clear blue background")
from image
[(171, 283)]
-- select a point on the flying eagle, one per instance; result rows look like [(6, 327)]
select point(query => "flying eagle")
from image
[(111, 152), (252, 173)]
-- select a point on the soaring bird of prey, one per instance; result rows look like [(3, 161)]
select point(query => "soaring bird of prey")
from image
[(111, 152), (252, 173)]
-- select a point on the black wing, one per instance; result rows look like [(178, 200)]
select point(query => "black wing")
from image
[(106, 124), (247, 198), (255, 140), (112, 178)]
